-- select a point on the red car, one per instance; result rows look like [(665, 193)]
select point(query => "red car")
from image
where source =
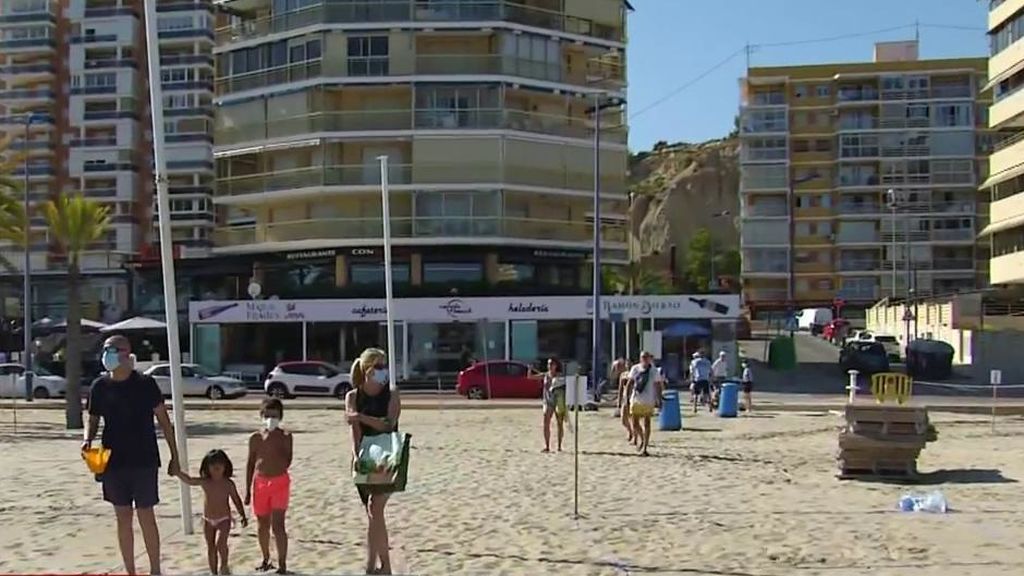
[(507, 380)]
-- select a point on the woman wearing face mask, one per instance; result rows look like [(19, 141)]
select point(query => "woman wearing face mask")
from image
[(373, 407)]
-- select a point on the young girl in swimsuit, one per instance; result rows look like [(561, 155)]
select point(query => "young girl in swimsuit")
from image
[(215, 479)]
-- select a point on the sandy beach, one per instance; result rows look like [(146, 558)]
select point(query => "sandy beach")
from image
[(742, 497)]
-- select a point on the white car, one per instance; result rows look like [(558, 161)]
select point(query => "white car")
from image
[(890, 343), (311, 378), (44, 384), (197, 381)]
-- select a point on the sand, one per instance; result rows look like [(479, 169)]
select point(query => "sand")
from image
[(742, 497)]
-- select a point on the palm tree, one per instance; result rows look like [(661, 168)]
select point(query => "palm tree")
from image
[(75, 222), (12, 213), (635, 278)]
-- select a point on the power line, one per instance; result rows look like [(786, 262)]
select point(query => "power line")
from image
[(689, 83), (954, 27), (834, 38)]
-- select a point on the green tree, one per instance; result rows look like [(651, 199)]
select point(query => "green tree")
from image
[(698, 260), (634, 278), (12, 213), (75, 223)]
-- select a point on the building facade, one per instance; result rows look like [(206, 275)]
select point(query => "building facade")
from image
[(825, 148), (1006, 183), (74, 93)]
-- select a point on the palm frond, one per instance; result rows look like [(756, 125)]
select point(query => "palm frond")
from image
[(75, 223)]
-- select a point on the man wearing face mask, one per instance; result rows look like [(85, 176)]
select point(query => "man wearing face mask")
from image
[(127, 401)]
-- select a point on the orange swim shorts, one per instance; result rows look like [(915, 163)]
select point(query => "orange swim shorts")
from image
[(269, 494)]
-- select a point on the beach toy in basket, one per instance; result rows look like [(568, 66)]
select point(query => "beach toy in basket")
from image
[(383, 460), (96, 459)]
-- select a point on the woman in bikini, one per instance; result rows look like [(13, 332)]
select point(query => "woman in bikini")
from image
[(553, 399), (215, 478)]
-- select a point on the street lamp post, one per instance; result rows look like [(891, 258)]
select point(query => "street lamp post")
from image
[(891, 199), (712, 284), (27, 288)]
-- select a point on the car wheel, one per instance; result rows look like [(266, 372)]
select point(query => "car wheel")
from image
[(340, 390), (277, 390), (476, 393), (215, 393), (40, 393)]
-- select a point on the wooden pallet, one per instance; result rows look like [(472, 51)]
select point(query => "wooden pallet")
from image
[(885, 422), (873, 443), (878, 474)]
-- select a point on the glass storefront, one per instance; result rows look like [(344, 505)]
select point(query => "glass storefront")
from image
[(445, 349)]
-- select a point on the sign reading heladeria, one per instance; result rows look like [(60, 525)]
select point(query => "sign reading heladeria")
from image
[(682, 306)]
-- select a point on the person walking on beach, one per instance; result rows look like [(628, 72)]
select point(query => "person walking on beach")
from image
[(747, 381), (127, 401), (644, 388), (215, 474), (620, 375), (372, 407), (719, 372), (700, 376), (267, 483), (553, 394)]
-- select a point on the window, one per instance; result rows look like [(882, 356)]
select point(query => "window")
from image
[(368, 56), (178, 101), (822, 145), (174, 23), (801, 146), (450, 272), (373, 273), (800, 91), (102, 79), (164, 371), (169, 75), (823, 91)]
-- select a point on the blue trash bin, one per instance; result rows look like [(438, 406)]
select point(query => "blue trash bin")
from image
[(671, 417), (729, 399)]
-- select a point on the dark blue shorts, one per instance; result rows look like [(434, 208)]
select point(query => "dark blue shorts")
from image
[(136, 487)]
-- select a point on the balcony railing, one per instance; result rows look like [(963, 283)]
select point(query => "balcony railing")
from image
[(428, 119), (458, 227), (764, 154), (397, 11), (858, 265), (765, 294), (765, 267), (767, 210), (869, 293), (407, 174)]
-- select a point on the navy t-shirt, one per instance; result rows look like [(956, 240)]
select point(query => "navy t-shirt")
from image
[(127, 411)]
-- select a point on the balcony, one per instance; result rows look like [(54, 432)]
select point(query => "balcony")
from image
[(100, 63), (430, 119), (765, 294), (342, 229), (750, 154), (30, 95), (17, 45), (859, 265), (368, 176), (860, 208), (857, 95), (1007, 154), (859, 293), (770, 267), (29, 12), (398, 11), (765, 210), (1007, 269)]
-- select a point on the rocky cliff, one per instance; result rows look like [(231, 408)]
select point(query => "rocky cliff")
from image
[(677, 190)]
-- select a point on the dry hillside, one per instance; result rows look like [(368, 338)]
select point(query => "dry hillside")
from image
[(677, 190)]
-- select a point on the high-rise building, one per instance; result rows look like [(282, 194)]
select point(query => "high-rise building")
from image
[(1006, 183), (74, 92), (824, 151), (483, 109)]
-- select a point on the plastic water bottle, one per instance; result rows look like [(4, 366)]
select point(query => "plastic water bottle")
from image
[(933, 502)]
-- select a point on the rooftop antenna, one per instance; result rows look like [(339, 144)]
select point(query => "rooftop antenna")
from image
[(917, 31)]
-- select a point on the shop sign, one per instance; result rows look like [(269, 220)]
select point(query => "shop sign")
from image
[(311, 254), (363, 252), (441, 310), (563, 254)]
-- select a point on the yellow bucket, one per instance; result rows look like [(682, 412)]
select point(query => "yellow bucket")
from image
[(96, 459)]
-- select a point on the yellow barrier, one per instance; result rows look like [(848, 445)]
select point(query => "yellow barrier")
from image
[(891, 386)]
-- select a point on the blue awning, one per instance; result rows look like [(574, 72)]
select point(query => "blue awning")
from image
[(686, 329)]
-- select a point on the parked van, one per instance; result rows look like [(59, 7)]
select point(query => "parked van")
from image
[(813, 320)]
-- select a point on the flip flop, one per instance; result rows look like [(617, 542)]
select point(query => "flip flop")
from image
[(266, 566)]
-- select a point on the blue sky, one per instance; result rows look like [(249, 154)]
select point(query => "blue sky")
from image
[(671, 42)]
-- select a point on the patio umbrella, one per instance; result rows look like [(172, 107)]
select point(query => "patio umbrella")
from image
[(86, 323), (137, 324)]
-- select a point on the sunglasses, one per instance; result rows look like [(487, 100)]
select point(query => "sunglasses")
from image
[(113, 349)]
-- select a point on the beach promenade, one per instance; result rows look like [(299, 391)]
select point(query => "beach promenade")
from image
[(752, 496)]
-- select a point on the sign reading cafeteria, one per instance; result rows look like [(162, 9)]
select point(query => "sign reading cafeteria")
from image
[(703, 306)]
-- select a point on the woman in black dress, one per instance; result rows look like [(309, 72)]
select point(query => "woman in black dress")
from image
[(373, 407)]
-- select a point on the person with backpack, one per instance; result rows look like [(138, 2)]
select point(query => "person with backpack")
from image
[(644, 392)]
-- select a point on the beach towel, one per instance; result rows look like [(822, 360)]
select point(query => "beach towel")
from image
[(383, 462)]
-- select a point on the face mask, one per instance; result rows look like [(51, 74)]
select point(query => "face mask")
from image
[(271, 423), (111, 360), (380, 376)]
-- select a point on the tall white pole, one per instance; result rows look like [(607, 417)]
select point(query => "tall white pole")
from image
[(156, 106), (388, 295)]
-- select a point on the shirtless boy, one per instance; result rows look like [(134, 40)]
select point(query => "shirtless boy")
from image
[(268, 484)]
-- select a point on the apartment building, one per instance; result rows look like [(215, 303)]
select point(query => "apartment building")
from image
[(74, 91), (822, 147), (1006, 182)]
